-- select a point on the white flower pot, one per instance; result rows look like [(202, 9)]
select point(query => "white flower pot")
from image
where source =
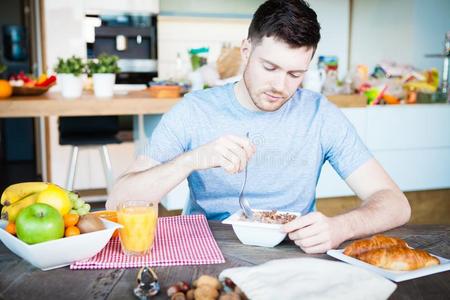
[(71, 85), (104, 85)]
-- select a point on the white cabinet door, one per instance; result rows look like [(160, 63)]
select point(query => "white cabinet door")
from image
[(408, 127), (417, 169)]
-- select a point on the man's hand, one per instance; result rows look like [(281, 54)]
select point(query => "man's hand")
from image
[(229, 152), (315, 232)]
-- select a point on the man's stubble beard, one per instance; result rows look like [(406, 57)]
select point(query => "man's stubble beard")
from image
[(252, 97)]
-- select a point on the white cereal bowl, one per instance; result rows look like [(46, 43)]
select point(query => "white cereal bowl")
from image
[(61, 252), (256, 233)]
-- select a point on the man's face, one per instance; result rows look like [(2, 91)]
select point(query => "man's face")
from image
[(273, 71)]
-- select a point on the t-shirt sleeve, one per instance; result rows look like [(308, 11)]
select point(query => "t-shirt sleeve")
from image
[(341, 144), (170, 137)]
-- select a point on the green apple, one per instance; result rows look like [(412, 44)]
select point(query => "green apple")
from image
[(38, 223)]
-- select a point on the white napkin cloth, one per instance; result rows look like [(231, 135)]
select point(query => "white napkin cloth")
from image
[(308, 278)]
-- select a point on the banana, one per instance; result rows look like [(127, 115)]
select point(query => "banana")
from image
[(10, 212), (18, 191)]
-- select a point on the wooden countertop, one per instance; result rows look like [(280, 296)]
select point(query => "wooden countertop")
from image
[(133, 103), (20, 280), (52, 104)]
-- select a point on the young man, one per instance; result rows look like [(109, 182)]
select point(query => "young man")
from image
[(292, 133)]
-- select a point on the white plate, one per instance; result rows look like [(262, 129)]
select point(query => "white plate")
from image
[(396, 276)]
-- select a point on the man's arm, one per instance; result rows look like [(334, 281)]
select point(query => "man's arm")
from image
[(384, 204), (148, 180), (384, 207)]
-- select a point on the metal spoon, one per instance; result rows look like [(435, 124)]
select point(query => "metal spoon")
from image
[(245, 206)]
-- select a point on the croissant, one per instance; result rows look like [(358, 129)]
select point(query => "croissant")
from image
[(375, 242), (399, 258)]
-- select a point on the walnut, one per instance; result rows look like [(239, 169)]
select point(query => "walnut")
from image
[(190, 294), (172, 290), (206, 292), (178, 296), (209, 280)]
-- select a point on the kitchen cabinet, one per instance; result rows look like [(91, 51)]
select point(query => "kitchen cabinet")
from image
[(412, 142)]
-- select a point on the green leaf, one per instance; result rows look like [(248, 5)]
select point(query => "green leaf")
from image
[(103, 64), (73, 65)]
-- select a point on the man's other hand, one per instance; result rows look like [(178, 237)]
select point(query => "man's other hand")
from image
[(315, 232)]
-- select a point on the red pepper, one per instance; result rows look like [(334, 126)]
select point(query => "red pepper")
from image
[(23, 77), (47, 82)]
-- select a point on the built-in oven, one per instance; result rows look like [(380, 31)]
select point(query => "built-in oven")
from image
[(132, 37)]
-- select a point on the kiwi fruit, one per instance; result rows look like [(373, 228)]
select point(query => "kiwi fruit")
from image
[(90, 223)]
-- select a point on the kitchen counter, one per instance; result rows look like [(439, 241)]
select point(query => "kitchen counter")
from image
[(136, 102), (52, 104), (20, 280), (407, 139)]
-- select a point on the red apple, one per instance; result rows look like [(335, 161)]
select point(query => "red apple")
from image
[(38, 223)]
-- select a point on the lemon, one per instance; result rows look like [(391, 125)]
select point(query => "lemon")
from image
[(56, 197)]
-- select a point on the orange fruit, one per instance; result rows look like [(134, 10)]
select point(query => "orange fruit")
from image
[(70, 220), (110, 215), (5, 89), (11, 228), (71, 231)]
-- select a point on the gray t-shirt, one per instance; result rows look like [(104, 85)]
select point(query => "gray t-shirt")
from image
[(292, 144)]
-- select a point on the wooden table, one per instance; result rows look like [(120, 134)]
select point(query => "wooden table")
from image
[(20, 280), (137, 103)]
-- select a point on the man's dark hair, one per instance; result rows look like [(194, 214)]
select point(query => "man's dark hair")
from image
[(291, 21)]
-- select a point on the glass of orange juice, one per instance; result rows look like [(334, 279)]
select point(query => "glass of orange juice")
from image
[(139, 220)]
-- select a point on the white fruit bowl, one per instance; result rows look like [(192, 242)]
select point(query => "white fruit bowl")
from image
[(61, 252), (256, 233)]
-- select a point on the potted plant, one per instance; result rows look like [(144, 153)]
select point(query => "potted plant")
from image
[(69, 75), (103, 71)]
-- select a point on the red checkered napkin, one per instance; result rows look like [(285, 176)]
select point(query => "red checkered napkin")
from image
[(180, 240)]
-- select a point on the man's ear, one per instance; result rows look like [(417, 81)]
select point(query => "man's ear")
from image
[(246, 49)]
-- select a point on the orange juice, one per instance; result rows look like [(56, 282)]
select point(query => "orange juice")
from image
[(139, 220)]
